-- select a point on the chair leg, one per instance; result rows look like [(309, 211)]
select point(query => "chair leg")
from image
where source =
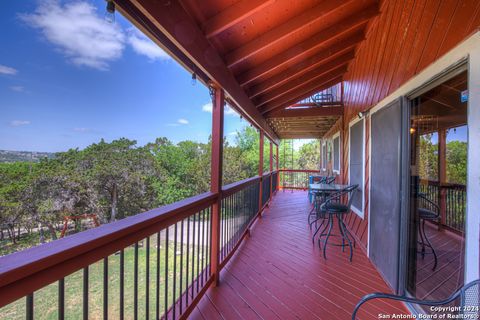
[(429, 244), (422, 239), (330, 222), (316, 230), (342, 228), (323, 230)]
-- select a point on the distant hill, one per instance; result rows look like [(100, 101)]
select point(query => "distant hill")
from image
[(13, 156)]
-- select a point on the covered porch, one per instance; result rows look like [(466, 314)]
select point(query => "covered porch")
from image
[(277, 273)]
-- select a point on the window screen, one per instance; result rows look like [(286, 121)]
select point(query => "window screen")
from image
[(336, 154), (356, 164)]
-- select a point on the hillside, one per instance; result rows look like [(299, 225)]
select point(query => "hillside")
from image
[(13, 156)]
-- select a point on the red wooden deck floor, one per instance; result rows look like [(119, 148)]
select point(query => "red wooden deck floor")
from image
[(279, 274)]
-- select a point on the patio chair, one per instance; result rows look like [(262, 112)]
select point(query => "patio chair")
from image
[(469, 296), (334, 208), (431, 212), (317, 199)]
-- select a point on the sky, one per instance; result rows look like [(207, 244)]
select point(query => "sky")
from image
[(68, 78)]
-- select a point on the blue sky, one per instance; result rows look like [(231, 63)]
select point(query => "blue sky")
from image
[(69, 78)]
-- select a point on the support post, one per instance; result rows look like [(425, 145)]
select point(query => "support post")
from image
[(278, 172), (271, 169), (260, 169), (442, 176), (218, 102)]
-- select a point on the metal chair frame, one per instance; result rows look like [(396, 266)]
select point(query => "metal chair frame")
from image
[(461, 293), (424, 241)]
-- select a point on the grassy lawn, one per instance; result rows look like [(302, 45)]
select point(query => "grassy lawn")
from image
[(46, 299)]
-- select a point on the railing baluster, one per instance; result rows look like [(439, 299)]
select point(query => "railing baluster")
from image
[(157, 288), (147, 277), (105, 288), (174, 287), (85, 293), (29, 307), (193, 254), (61, 299), (187, 280), (122, 284), (166, 274), (135, 282), (181, 268), (198, 250)]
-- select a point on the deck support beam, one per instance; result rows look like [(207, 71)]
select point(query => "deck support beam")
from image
[(218, 103)]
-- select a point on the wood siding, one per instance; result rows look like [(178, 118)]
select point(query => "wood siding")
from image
[(402, 41)]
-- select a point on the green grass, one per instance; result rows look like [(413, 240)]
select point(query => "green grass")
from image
[(46, 299)]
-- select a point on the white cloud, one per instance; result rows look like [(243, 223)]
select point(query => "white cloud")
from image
[(208, 108), (144, 46), (82, 130), (78, 32), (7, 70), (17, 88), (182, 121), (18, 123)]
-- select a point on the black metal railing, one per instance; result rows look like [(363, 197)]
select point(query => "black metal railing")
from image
[(295, 179), (275, 181), (453, 212), (266, 188), (239, 209)]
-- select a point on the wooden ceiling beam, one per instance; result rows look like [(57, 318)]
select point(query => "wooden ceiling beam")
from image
[(343, 50), (328, 71), (306, 112), (322, 71), (232, 15), (325, 11), (302, 93), (178, 27), (323, 39)]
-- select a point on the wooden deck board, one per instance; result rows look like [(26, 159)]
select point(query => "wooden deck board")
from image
[(278, 273)]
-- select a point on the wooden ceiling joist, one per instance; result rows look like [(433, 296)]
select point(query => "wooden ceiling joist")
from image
[(306, 112), (302, 93), (325, 12), (177, 25), (232, 15), (331, 71), (307, 48), (325, 59)]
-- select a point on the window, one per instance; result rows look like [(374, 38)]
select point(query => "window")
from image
[(357, 163), (336, 153)]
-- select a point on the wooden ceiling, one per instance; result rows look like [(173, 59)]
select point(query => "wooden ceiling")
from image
[(277, 51)]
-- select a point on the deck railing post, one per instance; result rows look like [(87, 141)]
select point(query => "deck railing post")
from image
[(260, 170), (278, 172), (218, 102), (442, 176), (271, 169)]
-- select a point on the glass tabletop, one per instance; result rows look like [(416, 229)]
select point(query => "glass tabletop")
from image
[(327, 187)]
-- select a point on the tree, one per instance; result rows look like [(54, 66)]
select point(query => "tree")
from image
[(457, 162)]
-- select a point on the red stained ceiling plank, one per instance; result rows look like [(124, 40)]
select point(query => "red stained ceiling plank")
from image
[(307, 112), (305, 49), (232, 15), (174, 23), (300, 94), (324, 72), (306, 65), (325, 11)]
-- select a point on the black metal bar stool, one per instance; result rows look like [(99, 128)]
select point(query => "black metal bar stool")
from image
[(430, 212), (335, 210)]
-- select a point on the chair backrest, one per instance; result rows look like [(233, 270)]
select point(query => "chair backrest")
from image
[(468, 295), (430, 205), (329, 180), (350, 191)]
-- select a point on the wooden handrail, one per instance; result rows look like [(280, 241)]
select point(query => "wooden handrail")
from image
[(26, 271), (299, 170), (232, 188)]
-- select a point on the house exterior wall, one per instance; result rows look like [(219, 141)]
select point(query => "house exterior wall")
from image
[(401, 43)]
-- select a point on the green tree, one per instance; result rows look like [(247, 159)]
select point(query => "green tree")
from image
[(457, 162)]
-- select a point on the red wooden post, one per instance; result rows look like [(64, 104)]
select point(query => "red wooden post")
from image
[(442, 176), (278, 172), (216, 177), (271, 169), (260, 169)]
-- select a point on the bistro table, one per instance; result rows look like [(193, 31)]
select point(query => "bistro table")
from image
[(321, 190)]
